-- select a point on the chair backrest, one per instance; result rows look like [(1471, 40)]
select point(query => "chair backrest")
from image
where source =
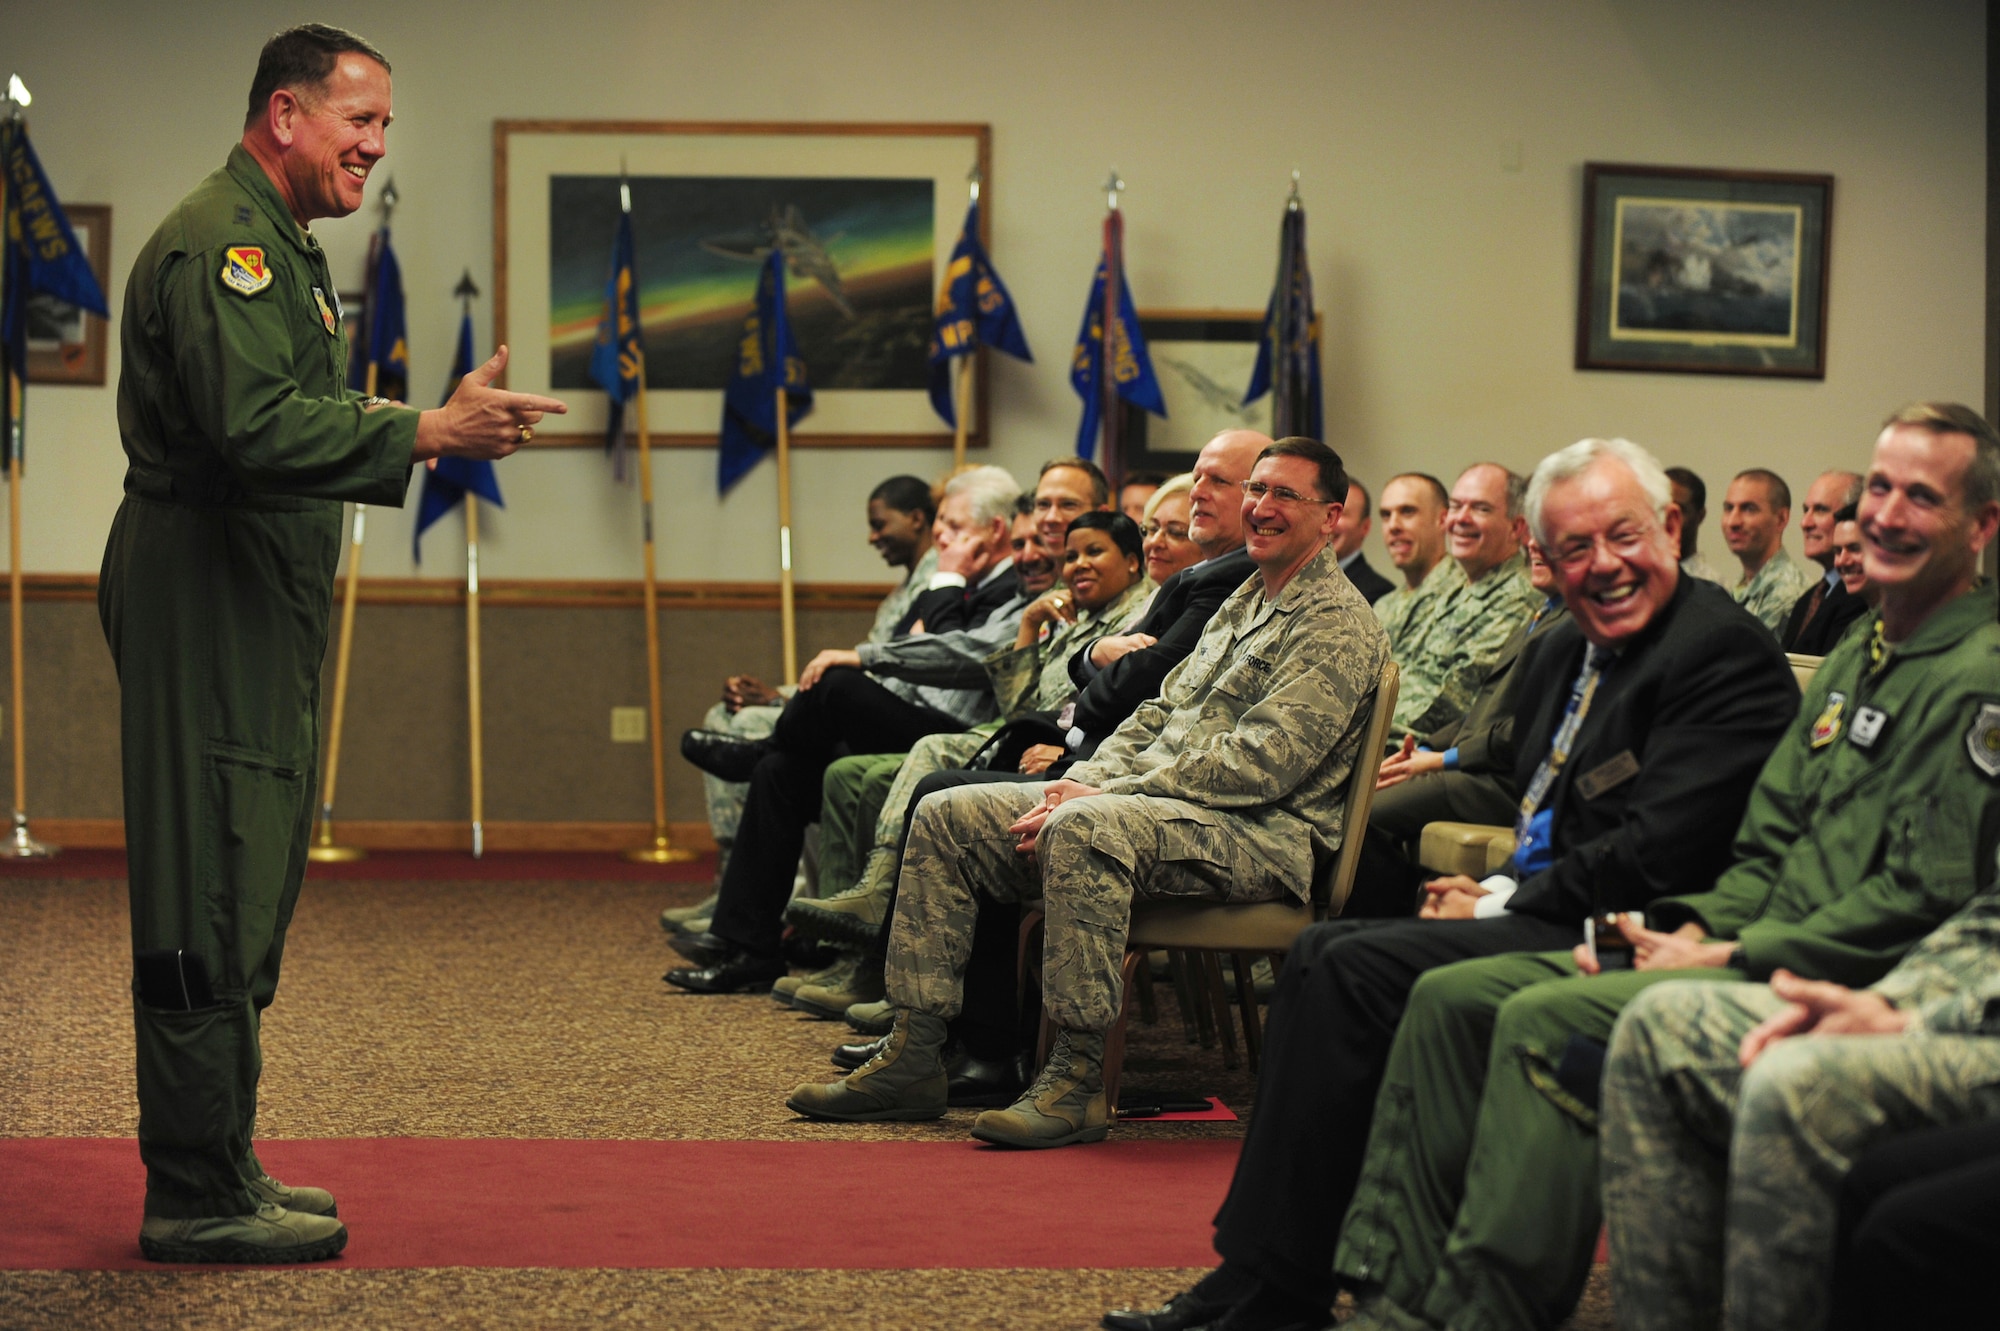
[(1804, 667), (1360, 794)]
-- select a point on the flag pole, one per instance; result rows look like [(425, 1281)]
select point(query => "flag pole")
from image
[(323, 848), (1109, 456), (661, 850), (20, 846), (964, 403), (787, 622), (475, 725)]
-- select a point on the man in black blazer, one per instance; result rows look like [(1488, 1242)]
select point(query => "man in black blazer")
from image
[(1356, 520), (1823, 615), (1673, 696)]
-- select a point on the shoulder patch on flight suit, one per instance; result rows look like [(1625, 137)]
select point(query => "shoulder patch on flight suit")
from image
[(1983, 740), (1827, 728), (244, 270), (326, 314)]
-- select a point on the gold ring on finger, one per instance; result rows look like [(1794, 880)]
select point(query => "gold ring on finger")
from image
[(527, 432)]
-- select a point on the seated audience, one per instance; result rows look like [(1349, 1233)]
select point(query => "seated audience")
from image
[(1136, 490), (1691, 498), (1447, 649), (1413, 512), (1819, 618), (916, 686), (1164, 528), (1850, 562), (900, 513), (1874, 821), (1643, 720), (1227, 787), (1755, 511), (1355, 521)]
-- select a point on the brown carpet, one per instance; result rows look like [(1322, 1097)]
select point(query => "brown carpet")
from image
[(502, 1009)]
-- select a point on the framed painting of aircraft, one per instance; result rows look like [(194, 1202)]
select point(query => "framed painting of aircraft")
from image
[(1203, 360), (865, 215)]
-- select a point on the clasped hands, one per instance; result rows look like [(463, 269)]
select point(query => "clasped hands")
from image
[(481, 421), (1029, 826), (1407, 762)]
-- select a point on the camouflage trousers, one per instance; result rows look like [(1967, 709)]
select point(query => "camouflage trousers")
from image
[(1094, 857), (725, 798), (1721, 1183)]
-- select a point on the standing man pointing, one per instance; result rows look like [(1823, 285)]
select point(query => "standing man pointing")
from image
[(215, 596)]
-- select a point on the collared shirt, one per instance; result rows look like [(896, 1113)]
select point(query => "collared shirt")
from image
[(1777, 587), (1696, 565)]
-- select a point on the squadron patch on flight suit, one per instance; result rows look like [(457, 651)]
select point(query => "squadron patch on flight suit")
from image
[(1827, 728), (1983, 740), (244, 270), (326, 314)]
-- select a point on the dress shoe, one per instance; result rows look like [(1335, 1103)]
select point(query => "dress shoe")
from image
[(739, 972), (268, 1234), (1063, 1107), (848, 1057), (978, 1083), (722, 755), (305, 1201), (857, 980), (1183, 1310), (703, 949), (904, 1081)]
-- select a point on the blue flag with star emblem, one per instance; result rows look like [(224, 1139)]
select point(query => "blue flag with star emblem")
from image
[(766, 360), (973, 310), (1288, 355), (388, 328), (451, 479), (1131, 365), (40, 254), (620, 351)]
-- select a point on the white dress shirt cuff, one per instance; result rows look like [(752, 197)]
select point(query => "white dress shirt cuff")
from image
[(946, 580), (1499, 888)]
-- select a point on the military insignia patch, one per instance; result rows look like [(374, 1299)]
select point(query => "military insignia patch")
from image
[(1869, 723), (326, 314), (1983, 740), (244, 270), (1827, 728)]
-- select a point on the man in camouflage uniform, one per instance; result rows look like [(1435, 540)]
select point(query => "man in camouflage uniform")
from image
[(1751, 1246), (1413, 509), (1755, 510), (217, 587), (1448, 648), (1875, 819), (1226, 788)]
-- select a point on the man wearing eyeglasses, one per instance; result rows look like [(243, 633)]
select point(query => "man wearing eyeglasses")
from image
[(1444, 656), (1643, 720), (1226, 787)]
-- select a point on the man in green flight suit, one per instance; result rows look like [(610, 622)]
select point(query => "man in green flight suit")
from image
[(215, 597), (1874, 820)]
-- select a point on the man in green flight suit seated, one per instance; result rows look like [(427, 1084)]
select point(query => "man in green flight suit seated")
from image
[(216, 591), (1874, 820)]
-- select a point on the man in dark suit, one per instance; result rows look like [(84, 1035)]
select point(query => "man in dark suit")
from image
[(1819, 618), (1643, 722), (1356, 520)]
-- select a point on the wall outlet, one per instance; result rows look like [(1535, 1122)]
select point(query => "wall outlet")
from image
[(628, 725)]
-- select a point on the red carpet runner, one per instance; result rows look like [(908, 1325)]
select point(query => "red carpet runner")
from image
[(74, 1203)]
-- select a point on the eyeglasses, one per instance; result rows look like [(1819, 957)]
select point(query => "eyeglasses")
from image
[(1578, 553), (1255, 491), (1176, 531)]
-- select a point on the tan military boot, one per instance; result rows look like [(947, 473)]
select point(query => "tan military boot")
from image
[(904, 1082), (871, 1018), (860, 981), (268, 1234), (786, 987), (674, 918), (853, 917), (1065, 1105), (306, 1201)]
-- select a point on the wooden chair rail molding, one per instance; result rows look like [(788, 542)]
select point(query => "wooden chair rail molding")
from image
[(500, 593), (384, 834)]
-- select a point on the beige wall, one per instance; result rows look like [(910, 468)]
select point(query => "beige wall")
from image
[(1449, 280)]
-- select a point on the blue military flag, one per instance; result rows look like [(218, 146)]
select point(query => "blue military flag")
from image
[(766, 361), (618, 360), (388, 329), (1131, 366), (973, 310), (40, 256), (1288, 355), (448, 480)]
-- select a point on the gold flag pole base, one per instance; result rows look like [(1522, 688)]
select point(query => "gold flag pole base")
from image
[(661, 851), (324, 851), (21, 846)]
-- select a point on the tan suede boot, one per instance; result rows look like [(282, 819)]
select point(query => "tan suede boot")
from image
[(904, 1082), (1064, 1106)]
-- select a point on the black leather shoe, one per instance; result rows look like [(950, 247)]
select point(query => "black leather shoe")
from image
[(975, 1083), (739, 972), (851, 1056), (723, 755), (702, 949), (1183, 1310)]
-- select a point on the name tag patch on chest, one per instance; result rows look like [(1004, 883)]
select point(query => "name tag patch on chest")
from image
[(1827, 728), (244, 270), (1869, 725), (1608, 776), (326, 314)]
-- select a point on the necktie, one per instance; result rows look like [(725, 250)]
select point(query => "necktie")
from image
[(1812, 606)]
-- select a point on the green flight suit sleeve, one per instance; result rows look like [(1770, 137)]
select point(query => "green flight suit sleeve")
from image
[(241, 375)]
